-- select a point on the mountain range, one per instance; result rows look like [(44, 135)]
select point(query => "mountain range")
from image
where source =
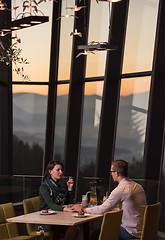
[(29, 123)]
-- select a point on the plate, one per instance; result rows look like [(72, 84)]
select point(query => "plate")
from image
[(81, 216), (48, 213)]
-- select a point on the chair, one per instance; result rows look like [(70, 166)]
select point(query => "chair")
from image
[(150, 222), (33, 205), (110, 227), (9, 230)]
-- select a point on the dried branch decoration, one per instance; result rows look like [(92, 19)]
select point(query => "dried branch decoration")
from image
[(11, 53)]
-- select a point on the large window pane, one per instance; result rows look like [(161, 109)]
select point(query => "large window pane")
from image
[(96, 62), (66, 41), (132, 123), (29, 125), (60, 123), (16, 188), (91, 121), (140, 35), (35, 44)]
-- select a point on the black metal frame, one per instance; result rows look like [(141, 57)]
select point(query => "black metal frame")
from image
[(111, 93), (53, 76), (156, 111), (5, 108), (153, 153), (76, 94), (24, 22)]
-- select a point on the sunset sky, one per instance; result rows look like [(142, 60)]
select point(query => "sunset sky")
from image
[(137, 56)]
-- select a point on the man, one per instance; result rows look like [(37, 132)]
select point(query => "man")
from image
[(128, 196)]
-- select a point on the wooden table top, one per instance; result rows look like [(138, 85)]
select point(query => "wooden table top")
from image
[(59, 218)]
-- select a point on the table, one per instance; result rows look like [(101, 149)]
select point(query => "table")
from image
[(59, 218)]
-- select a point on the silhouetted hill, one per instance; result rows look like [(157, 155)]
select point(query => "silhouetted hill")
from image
[(29, 114)]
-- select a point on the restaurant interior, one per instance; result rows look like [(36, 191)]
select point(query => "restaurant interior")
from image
[(82, 83)]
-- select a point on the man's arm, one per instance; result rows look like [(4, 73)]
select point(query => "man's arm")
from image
[(113, 199)]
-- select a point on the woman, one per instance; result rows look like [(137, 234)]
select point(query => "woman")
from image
[(53, 196)]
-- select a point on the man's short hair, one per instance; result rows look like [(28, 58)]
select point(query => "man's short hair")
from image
[(121, 167)]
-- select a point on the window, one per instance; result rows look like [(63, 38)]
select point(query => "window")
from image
[(131, 125), (60, 122), (29, 125), (65, 43), (96, 62), (35, 45), (90, 128), (140, 36)]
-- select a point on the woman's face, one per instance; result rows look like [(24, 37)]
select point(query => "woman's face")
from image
[(56, 172)]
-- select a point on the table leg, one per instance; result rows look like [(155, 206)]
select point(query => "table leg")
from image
[(86, 231), (58, 232)]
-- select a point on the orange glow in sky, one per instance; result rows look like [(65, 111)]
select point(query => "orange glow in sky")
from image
[(138, 53), (137, 85)]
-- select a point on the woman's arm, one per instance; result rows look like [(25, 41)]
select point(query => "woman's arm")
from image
[(70, 183), (70, 193)]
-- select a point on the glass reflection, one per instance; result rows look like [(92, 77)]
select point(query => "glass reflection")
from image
[(29, 125), (18, 187), (90, 128), (35, 45), (60, 122), (131, 128), (96, 62), (140, 35), (65, 43)]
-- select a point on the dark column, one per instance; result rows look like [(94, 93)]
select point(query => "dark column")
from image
[(5, 105), (76, 92), (111, 93), (154, 145), (53, 75)]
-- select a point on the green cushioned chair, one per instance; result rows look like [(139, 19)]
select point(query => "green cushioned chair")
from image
[(110, 226), (3, 228), (150, 222), (9, 230), (33, 205)]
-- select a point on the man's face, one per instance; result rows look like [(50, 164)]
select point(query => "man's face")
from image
[(114, 173)]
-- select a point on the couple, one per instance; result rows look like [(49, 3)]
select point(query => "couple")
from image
[(128, 195)]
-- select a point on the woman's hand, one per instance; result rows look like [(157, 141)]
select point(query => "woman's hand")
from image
[(67, 209), (76, 208), (70, 183)]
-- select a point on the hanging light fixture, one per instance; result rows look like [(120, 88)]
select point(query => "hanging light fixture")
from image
[(84, 53), (10, 53), (23, 23), (97, 46), (2, 33), (76, 8), (3, 6), (67, 15), (113, 1), (76, 33), (93, 47)]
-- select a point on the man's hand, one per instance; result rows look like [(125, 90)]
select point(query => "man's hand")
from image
[(70, 183)]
